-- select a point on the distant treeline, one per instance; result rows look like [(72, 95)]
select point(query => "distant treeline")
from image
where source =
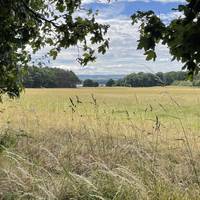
[(142, 79), (47, 77)]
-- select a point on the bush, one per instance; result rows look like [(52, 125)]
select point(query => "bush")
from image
[(90, 83), (110, 83), (196, 83), (182, 83)]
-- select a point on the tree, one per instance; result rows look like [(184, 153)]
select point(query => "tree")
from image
[(50, 78), (34, 24), (110, 83), (90, 83), (65, 79), (120, 82), (182, 35), (142, 79)]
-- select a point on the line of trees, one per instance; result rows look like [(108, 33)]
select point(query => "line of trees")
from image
[(38, 77), (47, 77), (142, 79)]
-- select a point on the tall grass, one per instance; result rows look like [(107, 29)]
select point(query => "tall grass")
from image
[(101, 144)]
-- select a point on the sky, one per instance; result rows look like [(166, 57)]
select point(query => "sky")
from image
[(123, 56)]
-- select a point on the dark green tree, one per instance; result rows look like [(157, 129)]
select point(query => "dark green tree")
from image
[(34, 24), (110, 83), (90, 83), (142, 79), (181, 35), (120, 82), (50, 78)]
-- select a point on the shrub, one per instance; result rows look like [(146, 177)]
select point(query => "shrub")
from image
[(110, 83), (182, 83), (90, 83)]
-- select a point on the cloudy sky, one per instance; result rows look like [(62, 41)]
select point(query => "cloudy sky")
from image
[(122, 57)]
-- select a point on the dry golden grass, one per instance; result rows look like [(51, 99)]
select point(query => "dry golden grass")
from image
[(101, 143)]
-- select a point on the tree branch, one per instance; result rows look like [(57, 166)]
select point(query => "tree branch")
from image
[(39, 16)]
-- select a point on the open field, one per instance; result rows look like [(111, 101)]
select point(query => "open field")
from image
[(101, 143)]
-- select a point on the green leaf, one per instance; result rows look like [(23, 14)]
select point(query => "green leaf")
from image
[(49, 41), (53, 53), (151, 55)]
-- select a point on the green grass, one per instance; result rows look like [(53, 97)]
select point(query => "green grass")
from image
[(118, 143)]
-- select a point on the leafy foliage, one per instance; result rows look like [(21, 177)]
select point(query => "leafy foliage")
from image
[(181, 35), (34, 24), (186, 83), (50, 78)]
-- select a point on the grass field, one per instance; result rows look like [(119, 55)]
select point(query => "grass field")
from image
[(101, 143)]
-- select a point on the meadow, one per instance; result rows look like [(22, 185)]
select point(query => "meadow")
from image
[(101, 143)]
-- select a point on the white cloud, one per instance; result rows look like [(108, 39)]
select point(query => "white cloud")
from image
[(123, 56), (167, 17)]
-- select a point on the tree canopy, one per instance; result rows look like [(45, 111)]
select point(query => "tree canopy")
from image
[(142, 79), (47, 77), (90, 83), (181, 35), (110, 83), (34, 24)]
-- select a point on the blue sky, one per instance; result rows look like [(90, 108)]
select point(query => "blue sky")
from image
[(122, 57)]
